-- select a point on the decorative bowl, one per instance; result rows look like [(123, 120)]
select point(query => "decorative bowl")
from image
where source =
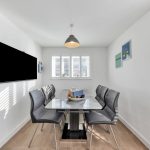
[(75, 99)]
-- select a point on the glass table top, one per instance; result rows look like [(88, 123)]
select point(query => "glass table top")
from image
[(86, 104)]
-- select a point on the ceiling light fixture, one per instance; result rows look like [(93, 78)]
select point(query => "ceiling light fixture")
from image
[(72, 41)]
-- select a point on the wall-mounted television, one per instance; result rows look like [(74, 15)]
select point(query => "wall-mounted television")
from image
[(16, 65)]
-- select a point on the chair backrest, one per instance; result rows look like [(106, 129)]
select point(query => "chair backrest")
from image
[(98, 89), (37, 99), (53, 91), (49, 92), (111, 99), (100, 94)]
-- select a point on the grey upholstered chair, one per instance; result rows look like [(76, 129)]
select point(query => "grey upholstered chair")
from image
[(41, 115), (49, 93), (108, 116), (100, 94)]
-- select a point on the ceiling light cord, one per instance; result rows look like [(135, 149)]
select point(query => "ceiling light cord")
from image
[(71, 27)]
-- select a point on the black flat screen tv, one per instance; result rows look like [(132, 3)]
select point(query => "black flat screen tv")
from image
[(16, 65)]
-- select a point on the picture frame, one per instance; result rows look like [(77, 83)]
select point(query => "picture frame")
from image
[(40, 67), (118, 60), (126, 51)]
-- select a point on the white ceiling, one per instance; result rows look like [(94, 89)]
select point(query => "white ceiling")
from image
[(96, 22)]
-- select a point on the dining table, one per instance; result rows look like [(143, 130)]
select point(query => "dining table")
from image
[(74, 108)]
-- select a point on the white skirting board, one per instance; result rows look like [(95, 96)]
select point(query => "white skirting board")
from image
[(135, 132), (21, 125)]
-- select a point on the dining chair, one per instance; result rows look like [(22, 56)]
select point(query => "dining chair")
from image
[(100, 95), (107, 116), (39, 114), (49, 93)]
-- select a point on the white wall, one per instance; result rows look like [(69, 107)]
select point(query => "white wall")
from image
[(98, 59), (14, 97), (133, 79)]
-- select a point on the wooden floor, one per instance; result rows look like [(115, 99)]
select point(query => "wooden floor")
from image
[(101, 140)]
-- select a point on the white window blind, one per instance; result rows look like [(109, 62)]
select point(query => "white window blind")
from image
[(65, 66), (56, 66), (75, 66)]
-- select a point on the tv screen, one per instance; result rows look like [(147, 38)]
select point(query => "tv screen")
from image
[(16, 65)]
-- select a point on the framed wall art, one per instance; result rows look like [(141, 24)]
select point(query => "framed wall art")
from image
[(126, 51), (118, 60)]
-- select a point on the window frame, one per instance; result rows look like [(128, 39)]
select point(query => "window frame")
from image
[(71, 77)]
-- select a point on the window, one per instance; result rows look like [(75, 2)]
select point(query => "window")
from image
[(65, 65), (75, 66), (85, 66), (71, 66), (56, 66)]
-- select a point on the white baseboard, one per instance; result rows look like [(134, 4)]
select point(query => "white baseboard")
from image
[(8, 137), (135, 132)]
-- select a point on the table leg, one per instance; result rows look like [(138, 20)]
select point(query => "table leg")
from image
[(74, 121), (71, 129)]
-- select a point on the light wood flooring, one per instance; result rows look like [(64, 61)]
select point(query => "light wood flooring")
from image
[(45, 140)]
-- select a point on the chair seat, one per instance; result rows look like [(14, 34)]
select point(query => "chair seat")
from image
[(99, 117), (50, 116)]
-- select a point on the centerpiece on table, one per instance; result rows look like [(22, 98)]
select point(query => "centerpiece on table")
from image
[(75, 94)]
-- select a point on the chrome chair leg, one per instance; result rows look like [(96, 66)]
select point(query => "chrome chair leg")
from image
[(107, 129), (87, 127), (55, 137), (32, 137), (91, 137), (85, 123), (42, 127), (114, 137), (62, 122), (65, 115)]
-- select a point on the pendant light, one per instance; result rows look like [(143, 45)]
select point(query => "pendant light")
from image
[(71, 41)]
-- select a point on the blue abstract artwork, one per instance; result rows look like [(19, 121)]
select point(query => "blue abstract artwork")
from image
[(126, 51)]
